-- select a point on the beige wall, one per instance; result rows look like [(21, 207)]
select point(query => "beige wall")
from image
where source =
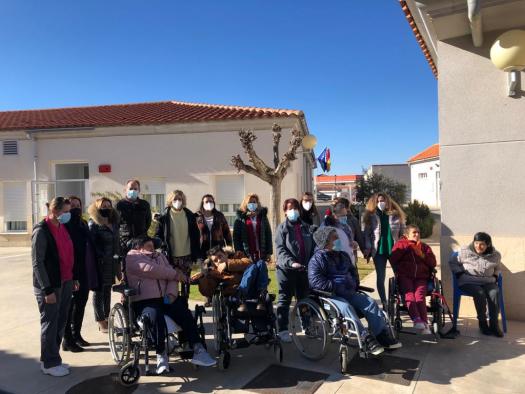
[(482, 141)]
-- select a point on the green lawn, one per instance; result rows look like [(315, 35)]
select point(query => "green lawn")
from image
[(363, 268)]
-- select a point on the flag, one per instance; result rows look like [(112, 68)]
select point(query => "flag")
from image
[(324, 160)]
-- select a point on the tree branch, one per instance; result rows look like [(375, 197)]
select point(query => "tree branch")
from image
[(239, 164), (276, 129), (290, 155), (247, 137)]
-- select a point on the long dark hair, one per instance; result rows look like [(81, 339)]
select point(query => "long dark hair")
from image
[(313, 211), (201, 208)]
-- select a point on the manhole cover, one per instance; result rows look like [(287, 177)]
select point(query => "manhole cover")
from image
[(398, 370), (277, 379), (107, 384)]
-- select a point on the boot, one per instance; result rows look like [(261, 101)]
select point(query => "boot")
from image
[(261, 304), (495, 329), (71, 346), (81, 341), (484, 327)]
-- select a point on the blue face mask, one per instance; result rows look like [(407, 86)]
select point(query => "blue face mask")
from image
[(292, 215), (338, 245), (65, 217), (343, 220), (252, 206), (132, 194)]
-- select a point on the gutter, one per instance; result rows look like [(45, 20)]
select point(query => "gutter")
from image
[(476, 25)]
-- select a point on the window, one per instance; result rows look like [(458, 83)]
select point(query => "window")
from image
[(422, 175), (10, 148), (157, 201), (230, 193), (230, 212), (15, 209)]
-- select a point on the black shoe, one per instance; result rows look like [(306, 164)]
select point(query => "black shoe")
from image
[(386, 340), (496, 330), (81, 341), (484, 327), (71, 347), (372, 346)]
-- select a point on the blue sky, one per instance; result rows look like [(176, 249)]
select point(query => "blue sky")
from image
[(353, 67)]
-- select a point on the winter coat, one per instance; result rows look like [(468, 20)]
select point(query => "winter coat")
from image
[(219, 235), (106, 241), (151, 275), (353, 223), (80, 236), (164, 233), (135, 220), (209, 280), (325, 266), (287, 247), (45, 259), (240, 234), (407, 263), (472, 268), (372, 230), (310, 217)]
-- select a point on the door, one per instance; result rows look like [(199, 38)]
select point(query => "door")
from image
[(72, 180), (41, 193)]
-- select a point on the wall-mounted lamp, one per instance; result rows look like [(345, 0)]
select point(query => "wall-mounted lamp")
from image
[(309, 141), (508, 54)]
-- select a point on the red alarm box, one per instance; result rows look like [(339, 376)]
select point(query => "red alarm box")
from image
[(104, 168)]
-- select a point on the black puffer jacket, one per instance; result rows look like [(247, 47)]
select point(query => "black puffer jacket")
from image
[(44, 256), (135, 219)]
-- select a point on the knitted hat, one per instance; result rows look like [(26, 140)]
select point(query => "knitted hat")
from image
[(322, 235)]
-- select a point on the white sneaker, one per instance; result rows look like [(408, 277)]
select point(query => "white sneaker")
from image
[(57, 371), (285, 336), (163, 365), (202, 357), (419, 325), (426, 330)]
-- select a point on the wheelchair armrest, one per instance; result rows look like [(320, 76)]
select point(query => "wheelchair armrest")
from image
[(365, 289), (120, 288), (322, 293)]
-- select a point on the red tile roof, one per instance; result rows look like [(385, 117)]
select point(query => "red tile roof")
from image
[(165, 112), (338, 178), (429, 153), (419, 37)]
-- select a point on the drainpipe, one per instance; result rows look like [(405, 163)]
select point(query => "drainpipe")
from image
[(34, 206), (476, 26)]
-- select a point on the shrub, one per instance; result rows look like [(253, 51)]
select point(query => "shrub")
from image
[(419, 215)]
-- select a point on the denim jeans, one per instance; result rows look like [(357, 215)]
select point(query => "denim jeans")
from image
[(361, 303), (254, 280), (380, 264)]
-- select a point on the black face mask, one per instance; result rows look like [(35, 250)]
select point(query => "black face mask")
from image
[(75, 212), (105, 212)]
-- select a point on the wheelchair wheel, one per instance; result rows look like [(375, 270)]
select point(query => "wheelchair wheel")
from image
[(218, 323), (343, 359), (224, 360), (129, 374), (438, 310), (309, 329), (278, 352), (119, 340)]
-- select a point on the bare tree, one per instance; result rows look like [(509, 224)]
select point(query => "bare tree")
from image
[(274, 176)]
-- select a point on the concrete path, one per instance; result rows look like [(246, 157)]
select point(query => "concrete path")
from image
[(468, 364)]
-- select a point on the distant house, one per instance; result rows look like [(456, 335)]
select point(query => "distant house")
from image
[(329, 187), (398, 172), (425, 176), (166, 145)]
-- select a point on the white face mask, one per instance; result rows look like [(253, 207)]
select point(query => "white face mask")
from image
[(209, 206), (307, 205), (177, 204), (381, 205)]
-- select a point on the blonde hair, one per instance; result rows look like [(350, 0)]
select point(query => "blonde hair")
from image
[(249, 196), (173, 195), (392, 207), (98, 205)]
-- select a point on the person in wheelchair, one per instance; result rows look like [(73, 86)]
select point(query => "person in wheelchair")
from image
[(157, 284), (242, 276), (331, 270), (413, 263)]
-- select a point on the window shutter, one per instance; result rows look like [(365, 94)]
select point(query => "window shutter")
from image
[(10, 147), (230, 189), (15, 200)]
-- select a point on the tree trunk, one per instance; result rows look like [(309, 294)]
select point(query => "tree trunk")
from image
[(276, 203)]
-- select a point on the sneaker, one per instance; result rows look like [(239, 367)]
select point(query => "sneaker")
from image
[(285, 336), (386, 340), (202, 357), (372, 346), (57, 371), (419, 325), (426, 330), (163, 365), (63, 365)]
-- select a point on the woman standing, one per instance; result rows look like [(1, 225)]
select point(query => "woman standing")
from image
[(53, 260), (383, 224), (295, 247), (252, 233), (477, 267), (179, 233), (213, 226), (104, 228), (309, 213)]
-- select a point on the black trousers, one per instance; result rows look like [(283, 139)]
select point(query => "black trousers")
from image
[(291, 283), (483, 295), (102, 303), (76, 313)]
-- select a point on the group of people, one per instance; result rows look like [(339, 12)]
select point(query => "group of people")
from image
[(72, 256)]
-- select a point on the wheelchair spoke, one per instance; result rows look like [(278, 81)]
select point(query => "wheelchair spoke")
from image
[(309, 330)]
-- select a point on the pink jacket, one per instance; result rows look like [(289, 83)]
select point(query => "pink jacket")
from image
[(151, 274)]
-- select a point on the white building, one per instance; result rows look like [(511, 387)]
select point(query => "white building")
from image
[(166, 145), (333, 186), (397, 172), (425, 177)]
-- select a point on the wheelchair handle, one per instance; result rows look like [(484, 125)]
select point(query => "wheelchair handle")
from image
[(365, 289)]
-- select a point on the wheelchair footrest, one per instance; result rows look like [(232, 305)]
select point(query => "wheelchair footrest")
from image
[(240, 343)]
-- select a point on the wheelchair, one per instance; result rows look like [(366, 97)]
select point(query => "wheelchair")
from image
[(130, 337), (316, 322), (437, 308), (258, 327)]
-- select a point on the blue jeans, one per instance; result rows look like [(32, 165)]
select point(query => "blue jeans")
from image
[(380, 264), (367, 307), (254, 280)]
